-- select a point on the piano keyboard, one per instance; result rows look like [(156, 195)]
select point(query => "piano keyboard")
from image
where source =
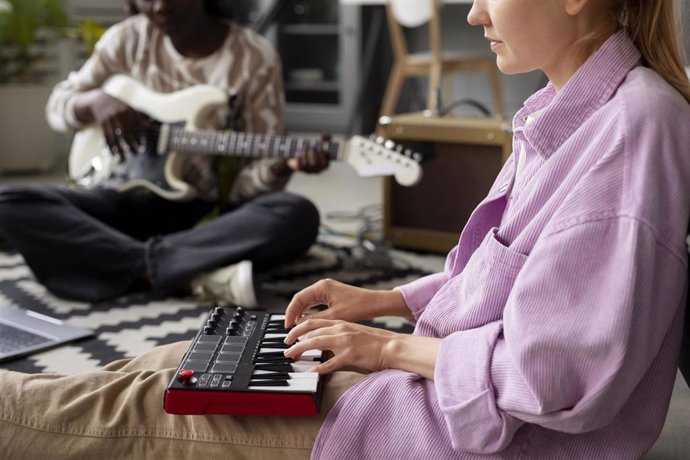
[(235, 365)]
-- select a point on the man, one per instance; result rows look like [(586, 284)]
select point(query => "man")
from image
[(100, 243)]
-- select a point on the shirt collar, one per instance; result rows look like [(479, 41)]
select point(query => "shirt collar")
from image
[(592, 85)]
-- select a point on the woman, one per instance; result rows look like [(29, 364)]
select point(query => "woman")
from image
[(553, 331)]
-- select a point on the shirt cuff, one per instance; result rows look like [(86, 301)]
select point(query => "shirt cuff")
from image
[(466, 395), (418, 293), (71, 116)]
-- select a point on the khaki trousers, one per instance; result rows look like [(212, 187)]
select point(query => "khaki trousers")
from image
[(117, 413)]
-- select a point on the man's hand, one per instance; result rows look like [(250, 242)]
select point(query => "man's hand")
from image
[(122, 125)]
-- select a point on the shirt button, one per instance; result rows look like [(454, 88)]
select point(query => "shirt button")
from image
[(503, 188)]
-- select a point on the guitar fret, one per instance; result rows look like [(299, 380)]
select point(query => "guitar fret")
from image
[(220, 146), (231, 143), (247, 144), (252, 142)]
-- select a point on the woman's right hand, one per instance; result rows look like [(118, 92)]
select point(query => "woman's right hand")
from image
[(122, 125), (343, 302)]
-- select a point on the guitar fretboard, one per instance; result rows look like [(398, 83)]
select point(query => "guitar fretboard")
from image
[(246, 144)]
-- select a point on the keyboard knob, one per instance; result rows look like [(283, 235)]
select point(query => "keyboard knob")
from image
[(186, 377), (208, 330)]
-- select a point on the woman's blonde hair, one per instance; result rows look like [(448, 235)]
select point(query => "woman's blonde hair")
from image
[(654, 27)]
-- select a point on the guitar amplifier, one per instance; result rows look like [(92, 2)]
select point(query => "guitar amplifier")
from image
[(466, 155)]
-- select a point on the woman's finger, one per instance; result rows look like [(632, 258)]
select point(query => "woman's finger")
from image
[(307, 326), (323, 342), (336, 362), (316, 294)]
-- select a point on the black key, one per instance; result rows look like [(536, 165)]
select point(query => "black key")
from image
[(268, 383), (280, 345), (271, 354), (273, 367), (275, 360), (272, 376)]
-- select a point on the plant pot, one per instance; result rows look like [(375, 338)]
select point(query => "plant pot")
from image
[(27, 144)]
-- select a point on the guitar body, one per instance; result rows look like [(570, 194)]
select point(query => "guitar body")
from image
[(92, 163), (177, 118)]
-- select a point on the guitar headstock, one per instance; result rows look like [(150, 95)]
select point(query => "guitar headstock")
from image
[(377, 156)]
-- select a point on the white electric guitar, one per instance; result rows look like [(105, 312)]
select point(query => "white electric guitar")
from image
[(176, 118)]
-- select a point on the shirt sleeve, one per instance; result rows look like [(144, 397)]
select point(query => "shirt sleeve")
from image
[(262, 113), (418, 293), (587, 315), (107, 59)]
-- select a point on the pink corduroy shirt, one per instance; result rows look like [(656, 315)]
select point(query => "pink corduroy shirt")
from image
[(560, 309)]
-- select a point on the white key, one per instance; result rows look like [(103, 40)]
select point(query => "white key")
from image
[(277, 318), (304, 366), (294, 385), (273, 335)]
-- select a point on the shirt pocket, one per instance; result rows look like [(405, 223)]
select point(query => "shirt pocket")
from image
[(479, 293)]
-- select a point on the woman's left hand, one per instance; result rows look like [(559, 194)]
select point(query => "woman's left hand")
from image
[(363, 347)]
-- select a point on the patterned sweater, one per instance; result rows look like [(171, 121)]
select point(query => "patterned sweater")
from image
[(246, 65)]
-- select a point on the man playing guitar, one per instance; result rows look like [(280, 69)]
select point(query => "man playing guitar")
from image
[(98, 243)]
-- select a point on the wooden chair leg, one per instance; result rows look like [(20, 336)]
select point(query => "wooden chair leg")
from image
[(434, 86), (448, 83), (393, 88), (497, 89)]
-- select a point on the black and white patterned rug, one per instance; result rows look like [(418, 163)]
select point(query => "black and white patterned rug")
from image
[(129, 326)]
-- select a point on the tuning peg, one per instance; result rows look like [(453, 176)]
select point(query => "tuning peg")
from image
[(417, 157), (389, 144), (380, 140)]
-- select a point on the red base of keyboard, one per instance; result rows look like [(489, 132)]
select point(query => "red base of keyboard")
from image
[(199, 402)]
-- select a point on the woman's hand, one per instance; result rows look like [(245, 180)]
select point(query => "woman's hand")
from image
[(344, 302), (353, 345), (363, 347)]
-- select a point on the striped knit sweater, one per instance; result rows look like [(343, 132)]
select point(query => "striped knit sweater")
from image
[(246, 65)]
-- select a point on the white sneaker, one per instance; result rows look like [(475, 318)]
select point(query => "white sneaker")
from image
[(231, 284)]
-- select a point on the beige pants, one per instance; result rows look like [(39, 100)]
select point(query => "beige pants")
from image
[(118, 413)]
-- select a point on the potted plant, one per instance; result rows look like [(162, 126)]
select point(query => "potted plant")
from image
[(29, 31)]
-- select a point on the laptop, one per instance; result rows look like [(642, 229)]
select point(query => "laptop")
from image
[(23, 332)]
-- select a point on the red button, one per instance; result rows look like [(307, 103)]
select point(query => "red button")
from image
[(186, 375)]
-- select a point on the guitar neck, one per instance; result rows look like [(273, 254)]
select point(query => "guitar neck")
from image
[(247, 145)]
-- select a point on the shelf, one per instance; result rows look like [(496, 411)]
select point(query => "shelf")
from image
[(310, 29)]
